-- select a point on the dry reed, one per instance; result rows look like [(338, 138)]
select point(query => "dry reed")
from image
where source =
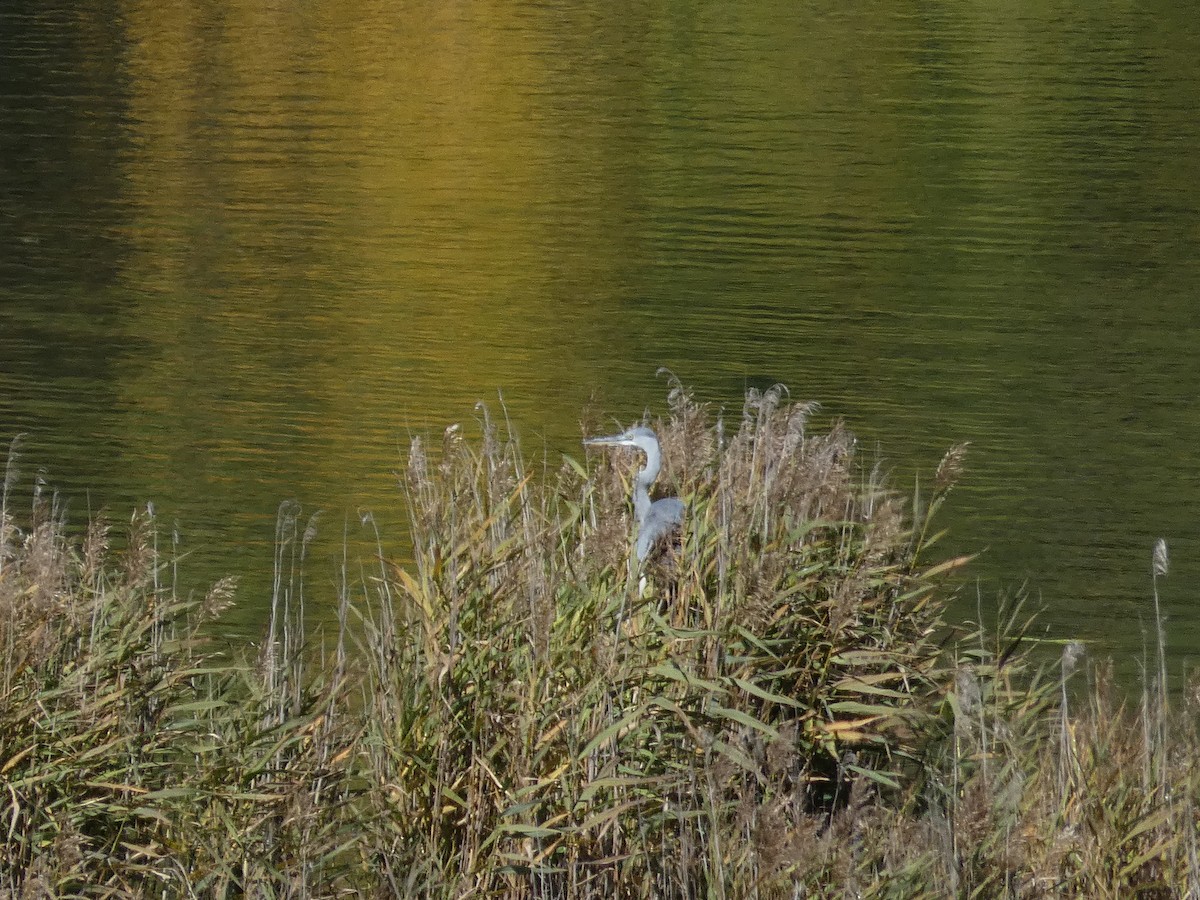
[(781, 713)]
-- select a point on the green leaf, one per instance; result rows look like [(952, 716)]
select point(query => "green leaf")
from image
[(738, 758), (751, 688), (672, 672), (882, 778), (736, 715), (854, 707), (608, 734)]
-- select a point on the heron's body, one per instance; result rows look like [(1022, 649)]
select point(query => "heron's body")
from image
[(661, 520), (658, 519)]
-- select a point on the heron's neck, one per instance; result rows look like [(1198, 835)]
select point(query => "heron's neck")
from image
[(641, 501), (641, 489)]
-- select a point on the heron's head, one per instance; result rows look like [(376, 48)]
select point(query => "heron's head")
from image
[(638, 436)]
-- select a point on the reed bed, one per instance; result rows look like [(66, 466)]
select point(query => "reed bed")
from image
[(133, 760), (543, 712), (777, 710)]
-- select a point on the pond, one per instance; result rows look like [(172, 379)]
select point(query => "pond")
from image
[(249, 250)]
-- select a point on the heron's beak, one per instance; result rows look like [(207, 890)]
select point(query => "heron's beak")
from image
[(612, 440)]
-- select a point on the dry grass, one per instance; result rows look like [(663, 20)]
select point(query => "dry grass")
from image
[(134, 764), (782, 712), (533, 708)]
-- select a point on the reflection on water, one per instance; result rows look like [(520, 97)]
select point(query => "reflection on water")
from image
[(249, 251)]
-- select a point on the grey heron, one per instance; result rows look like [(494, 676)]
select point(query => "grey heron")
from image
[(655, 520)]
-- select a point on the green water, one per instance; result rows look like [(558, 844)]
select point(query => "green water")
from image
[(248, 250)]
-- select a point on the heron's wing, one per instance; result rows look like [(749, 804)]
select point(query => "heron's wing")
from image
[(669, 509)]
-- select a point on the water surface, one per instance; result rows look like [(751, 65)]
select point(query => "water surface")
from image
[(249, 250)]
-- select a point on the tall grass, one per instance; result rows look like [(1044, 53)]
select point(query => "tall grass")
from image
[(532, 707), (781, 711), (135, 763)]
